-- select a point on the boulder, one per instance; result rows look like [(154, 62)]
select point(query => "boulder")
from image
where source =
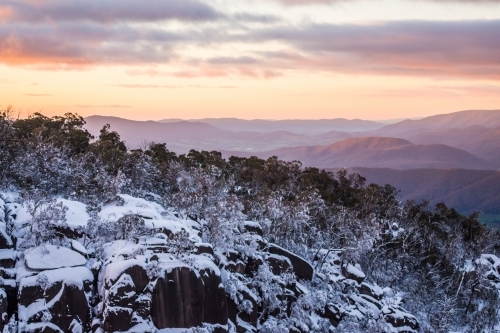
[(253, 227), (186, 298), (5, 240), (52, 257), (248, 318), (204, 248), (279, 264), (244, 327), (117, 319), (215, 301), (71, 306), (236, 267), (252, 265), (7, 258), (64, 295), (122, 293), (370, 290), (139, 277), (351, 272), (402, 321), (4, 317), (334, 313), (302, 268)]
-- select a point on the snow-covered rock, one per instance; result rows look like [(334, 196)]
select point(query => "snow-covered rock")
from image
[(52, 257), (253, 227), (5, 240), (187, 297), (353, 273), (76, 215), (279, 264), (60, 295), (139, 284), (170, 279), (3, 308), (301, 267)]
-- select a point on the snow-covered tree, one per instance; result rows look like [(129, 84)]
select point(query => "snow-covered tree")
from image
[(48, 218)]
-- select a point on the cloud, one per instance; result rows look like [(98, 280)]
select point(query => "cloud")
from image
[(107, 11), (83, 43), (308, 2), (61, 34), (315, 2), (450, 49)]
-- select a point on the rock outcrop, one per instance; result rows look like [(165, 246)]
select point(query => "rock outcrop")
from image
[(301, 267), (171, 279), (59, 296)]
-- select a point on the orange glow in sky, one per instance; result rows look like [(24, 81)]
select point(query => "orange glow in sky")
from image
[(249, 59)]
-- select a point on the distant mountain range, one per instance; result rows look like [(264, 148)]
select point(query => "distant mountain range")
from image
[(451, 158), (465, 190), (466, 139), (462, 119), (181, 136), (307, 127), (377, 152)]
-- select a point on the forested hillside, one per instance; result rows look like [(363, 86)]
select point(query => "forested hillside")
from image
[(98, 238), (464, 190)]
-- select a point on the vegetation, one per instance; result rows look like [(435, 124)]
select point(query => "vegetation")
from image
[(428, 254)]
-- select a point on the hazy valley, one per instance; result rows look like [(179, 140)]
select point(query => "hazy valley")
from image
[(437, 158)]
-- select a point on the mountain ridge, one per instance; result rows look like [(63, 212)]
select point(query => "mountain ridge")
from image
[(460, 119), (376, 152), (466, 190)]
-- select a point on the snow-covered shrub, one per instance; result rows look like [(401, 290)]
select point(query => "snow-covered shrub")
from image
[(48, 218), (180, 243), (130, 227), (269, 288)]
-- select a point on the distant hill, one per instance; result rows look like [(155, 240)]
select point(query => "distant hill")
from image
[(134, 133), (462, 119), (478, 140), (181, 136), (414, 143), (465, 190), (308, 127), (378, 152)]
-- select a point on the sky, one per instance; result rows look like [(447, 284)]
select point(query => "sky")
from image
[(266, 59)]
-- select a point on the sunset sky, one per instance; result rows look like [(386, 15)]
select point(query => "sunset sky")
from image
[(302, 59)]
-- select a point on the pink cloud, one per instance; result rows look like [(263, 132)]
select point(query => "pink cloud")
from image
[(457, 49)]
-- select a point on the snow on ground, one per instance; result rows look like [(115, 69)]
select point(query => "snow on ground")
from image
[(8, 254), (19, 211), (76, 215), (154, 215), (131, 205), (78, 247), (74, 276), (52, 257)]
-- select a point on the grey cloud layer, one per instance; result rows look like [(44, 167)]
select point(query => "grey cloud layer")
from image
[(108, 11), (440, 49), (466, 47), (311, 2)]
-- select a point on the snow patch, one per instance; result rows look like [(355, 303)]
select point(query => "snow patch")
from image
[(52, 257)]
